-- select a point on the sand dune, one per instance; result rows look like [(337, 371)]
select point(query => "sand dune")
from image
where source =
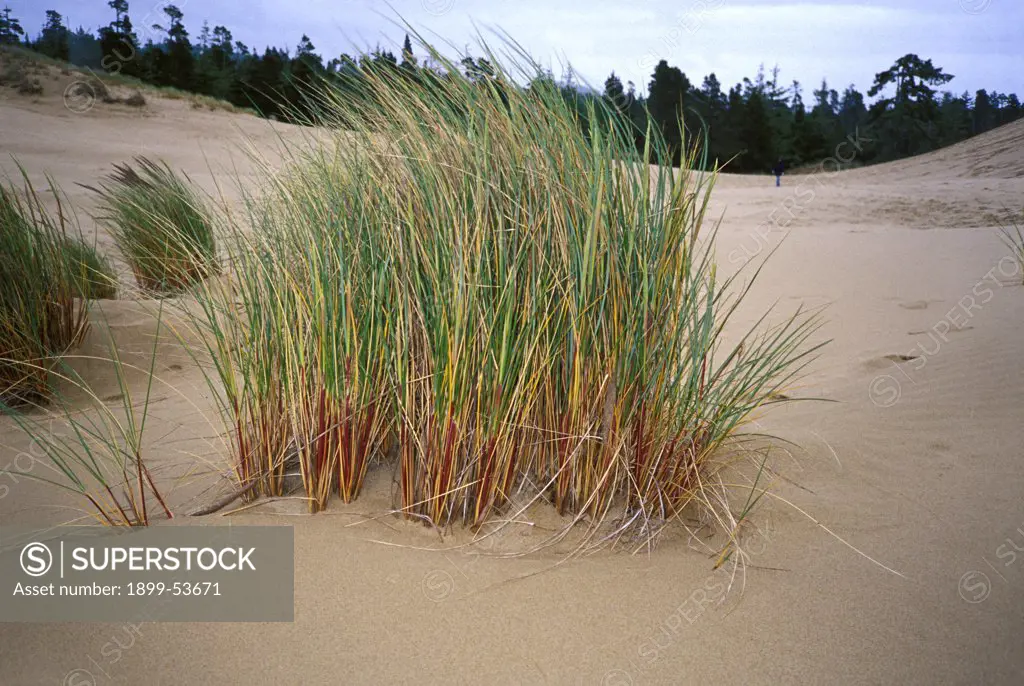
[(917, 464), (995, 154)]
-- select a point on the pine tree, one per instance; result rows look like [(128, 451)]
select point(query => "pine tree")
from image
[(907, 119), (11, 32), (408, 58), (53, 41), (668, 93), (852, 112), (954, 118), (176, 66), (84, 49), (615, 94), (756, 134), (982, 119), (1013, 108), (304, 70), (268, 82), (711, 106), (118, 43), (222, 50)]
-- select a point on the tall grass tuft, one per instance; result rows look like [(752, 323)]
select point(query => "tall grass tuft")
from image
[(457, 274), (46, 276), (161, 225)]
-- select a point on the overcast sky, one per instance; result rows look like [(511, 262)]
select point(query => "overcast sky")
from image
[(981, 42)]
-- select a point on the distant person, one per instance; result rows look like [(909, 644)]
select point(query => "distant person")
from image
[(778, 170)]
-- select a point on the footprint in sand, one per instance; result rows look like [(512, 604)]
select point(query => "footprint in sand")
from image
[(880, 364), (901, 358)]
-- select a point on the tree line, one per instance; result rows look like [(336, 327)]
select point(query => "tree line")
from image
[(750, 125)]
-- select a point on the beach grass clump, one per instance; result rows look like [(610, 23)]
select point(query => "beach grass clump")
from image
[(162, 227), (459, 275), (30, 86), (136, 99), (47, 275)]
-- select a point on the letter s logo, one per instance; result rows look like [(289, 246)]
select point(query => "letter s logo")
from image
[(36, 559)]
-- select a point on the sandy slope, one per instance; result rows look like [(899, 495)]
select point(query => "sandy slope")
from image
[(917, 464)]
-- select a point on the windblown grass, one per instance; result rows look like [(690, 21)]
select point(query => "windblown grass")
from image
[(46, 275), (161, 225), (467, 280)]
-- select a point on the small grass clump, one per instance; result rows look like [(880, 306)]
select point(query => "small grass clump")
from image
[(1013, 238), (30, 86), (464, 278), (95, 450), (161, 225), (90, 88), (13, 72), (136, 99), (18, 74), (46, 276)]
